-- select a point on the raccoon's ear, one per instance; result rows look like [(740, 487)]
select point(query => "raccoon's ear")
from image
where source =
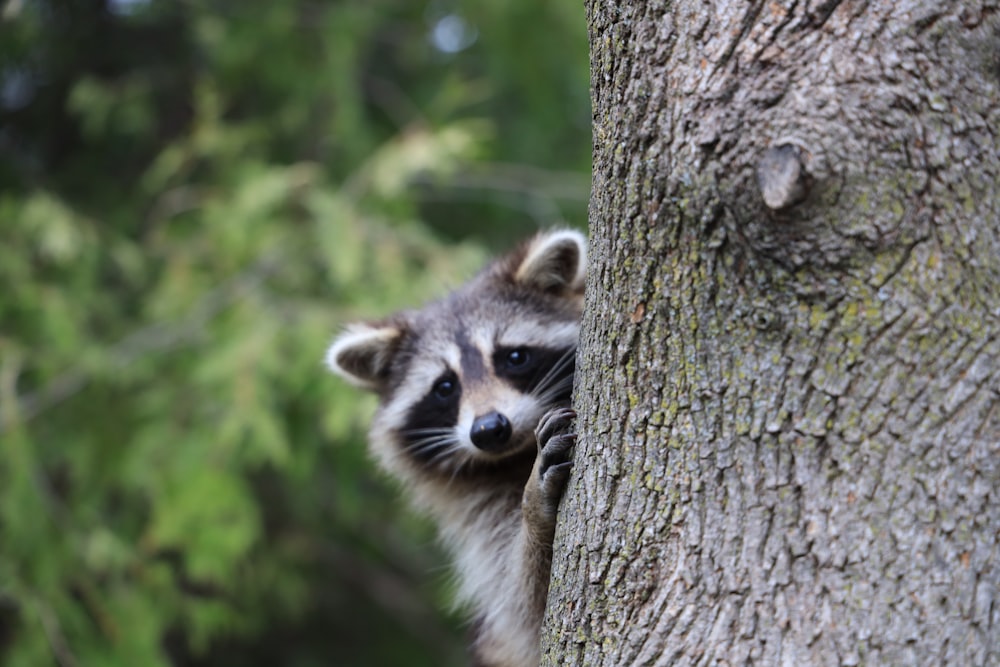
[(362, 354), (554, 262)]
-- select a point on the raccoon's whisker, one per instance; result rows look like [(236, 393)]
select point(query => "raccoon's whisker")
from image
[(446, 454), (427, 431), (419, 446), (558, 368), (435, 447), (416, 437), (446, 451), (457, 469), (557, 395), (423, 443), (552, 392), (556, 376)]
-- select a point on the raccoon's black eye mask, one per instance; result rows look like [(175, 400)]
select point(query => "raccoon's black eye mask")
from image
[(525, 368)]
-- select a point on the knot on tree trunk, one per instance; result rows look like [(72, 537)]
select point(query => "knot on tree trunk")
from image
[(782, 177)]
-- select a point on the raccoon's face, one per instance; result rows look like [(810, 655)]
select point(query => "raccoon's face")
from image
[(474, 381), (464, 381)]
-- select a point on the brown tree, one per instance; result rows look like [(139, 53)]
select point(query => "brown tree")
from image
[(789, 378)]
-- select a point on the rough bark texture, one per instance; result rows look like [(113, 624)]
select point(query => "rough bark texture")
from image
[(789, 378)]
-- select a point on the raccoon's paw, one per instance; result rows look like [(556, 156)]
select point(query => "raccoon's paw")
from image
[(555, 442)]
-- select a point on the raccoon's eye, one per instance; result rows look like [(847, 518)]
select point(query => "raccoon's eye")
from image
[(518, 357), (444, 388)]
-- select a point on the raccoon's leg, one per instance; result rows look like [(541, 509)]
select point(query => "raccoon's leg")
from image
[(508, 633), (539, 505), (540, 501)]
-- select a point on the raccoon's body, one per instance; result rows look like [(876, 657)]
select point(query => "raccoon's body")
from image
[(474, 394)]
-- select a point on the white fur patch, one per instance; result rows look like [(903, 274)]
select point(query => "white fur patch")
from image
[(482, 336), (539, 334), (488, 542)]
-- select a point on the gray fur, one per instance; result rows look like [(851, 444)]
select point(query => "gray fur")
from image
[(503, 343)]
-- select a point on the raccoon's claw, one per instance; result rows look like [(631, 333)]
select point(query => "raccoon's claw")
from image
[(552, 422), (556, 451), (554, 445), (554, 481)]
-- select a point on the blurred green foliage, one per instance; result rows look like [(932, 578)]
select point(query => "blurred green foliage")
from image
[(193, 197)]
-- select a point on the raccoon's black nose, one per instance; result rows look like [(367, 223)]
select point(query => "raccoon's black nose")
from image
[(491, 431)]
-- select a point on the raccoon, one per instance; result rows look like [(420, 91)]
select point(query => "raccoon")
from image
[(473, 417)]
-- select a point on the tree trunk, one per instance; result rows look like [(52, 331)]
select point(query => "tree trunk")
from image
[(789, 374)]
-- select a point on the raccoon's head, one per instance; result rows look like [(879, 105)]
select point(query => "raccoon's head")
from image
[(463, 382)]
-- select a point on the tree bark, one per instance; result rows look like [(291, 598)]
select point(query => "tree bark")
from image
[(789, 375)]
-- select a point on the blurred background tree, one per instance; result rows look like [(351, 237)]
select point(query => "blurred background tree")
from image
[(193, 197)]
